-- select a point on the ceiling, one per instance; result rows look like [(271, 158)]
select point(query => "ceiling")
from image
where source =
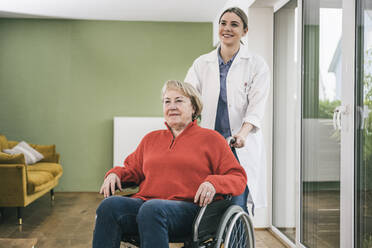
[(129, 10), (265, 3)]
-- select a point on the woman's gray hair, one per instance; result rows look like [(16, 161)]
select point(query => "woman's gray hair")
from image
[(187, 90)]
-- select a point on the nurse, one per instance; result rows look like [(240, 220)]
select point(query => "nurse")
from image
[(234, 85)]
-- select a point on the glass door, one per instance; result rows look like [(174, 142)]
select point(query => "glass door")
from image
[(363, 130), (316, 152), (321, 123)]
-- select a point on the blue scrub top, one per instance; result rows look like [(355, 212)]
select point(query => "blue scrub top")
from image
[(222, 124)]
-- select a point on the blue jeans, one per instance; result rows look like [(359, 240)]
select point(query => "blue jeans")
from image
[(153, 221)]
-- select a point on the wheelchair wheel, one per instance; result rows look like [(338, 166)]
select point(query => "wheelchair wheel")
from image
[(235, 230)]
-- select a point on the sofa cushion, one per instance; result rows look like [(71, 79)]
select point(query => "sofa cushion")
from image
[(48, 151), (52, 168), (38, 180), (6, 158), (12, 144), (51, 158), (31, 155), (3, 142)]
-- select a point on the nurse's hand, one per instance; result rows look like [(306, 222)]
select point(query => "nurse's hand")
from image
[(205, 193), (242, 135), (239, 141), (108, 186)]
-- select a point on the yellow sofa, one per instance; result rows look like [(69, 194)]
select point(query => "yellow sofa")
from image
[(21, 184)]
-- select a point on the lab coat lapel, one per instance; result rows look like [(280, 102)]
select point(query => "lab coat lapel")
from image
[(213, 90)]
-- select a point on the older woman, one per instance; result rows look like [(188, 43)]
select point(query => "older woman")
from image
[(176, 169)]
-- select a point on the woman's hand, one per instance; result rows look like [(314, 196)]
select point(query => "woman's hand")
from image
[(205, 194), (109, 184)]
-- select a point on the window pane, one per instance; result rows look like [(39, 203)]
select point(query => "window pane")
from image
[(363, 135), (321, 94)]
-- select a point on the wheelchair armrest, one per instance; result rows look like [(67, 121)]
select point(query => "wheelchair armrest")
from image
[(208, 218), (128, 189), (128, 184)]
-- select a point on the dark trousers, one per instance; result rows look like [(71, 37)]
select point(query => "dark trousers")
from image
[(240, 200)]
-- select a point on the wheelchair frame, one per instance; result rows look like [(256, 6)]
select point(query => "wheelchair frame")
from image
[(233, 219)]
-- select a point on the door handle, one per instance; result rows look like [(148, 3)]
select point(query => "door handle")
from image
[(363, 115), (335, 113), (337, 116)]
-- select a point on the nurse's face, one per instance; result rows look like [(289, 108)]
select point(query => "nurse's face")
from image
[(177, 109), (231, 29)]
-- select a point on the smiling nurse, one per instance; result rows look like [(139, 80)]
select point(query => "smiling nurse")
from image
[(234, 85)]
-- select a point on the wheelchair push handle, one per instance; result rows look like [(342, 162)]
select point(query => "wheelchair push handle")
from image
[(230, 140)]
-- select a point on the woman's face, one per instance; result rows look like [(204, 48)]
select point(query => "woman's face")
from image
[(231, 29), (177, 109)]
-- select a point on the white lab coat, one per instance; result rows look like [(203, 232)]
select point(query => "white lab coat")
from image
[(247, 86)]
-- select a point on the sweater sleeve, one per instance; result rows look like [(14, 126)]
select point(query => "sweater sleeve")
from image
[(132, 170), (229, 176)]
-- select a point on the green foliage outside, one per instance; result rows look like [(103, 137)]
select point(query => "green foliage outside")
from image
[(326, 108), (367, 242), (366, 136), (367, 130)]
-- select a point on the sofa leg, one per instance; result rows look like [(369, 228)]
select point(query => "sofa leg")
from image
[(19, 215), (52, 194)]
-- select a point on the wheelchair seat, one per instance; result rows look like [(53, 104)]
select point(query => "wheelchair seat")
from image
[(219, 224)]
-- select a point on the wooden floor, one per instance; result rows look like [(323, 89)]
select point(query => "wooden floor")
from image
[(69, 222)]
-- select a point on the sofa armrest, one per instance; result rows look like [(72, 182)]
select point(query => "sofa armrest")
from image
[(58, 156), (12, 158), (13, 186)]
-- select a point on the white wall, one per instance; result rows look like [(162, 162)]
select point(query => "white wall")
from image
[(260, 41), (128, 133)]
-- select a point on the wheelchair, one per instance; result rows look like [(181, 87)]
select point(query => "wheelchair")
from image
[(217, 225)]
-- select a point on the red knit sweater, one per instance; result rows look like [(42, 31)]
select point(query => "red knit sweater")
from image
[(173, 168)]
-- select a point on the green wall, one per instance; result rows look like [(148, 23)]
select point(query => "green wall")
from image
[(63, 81)]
